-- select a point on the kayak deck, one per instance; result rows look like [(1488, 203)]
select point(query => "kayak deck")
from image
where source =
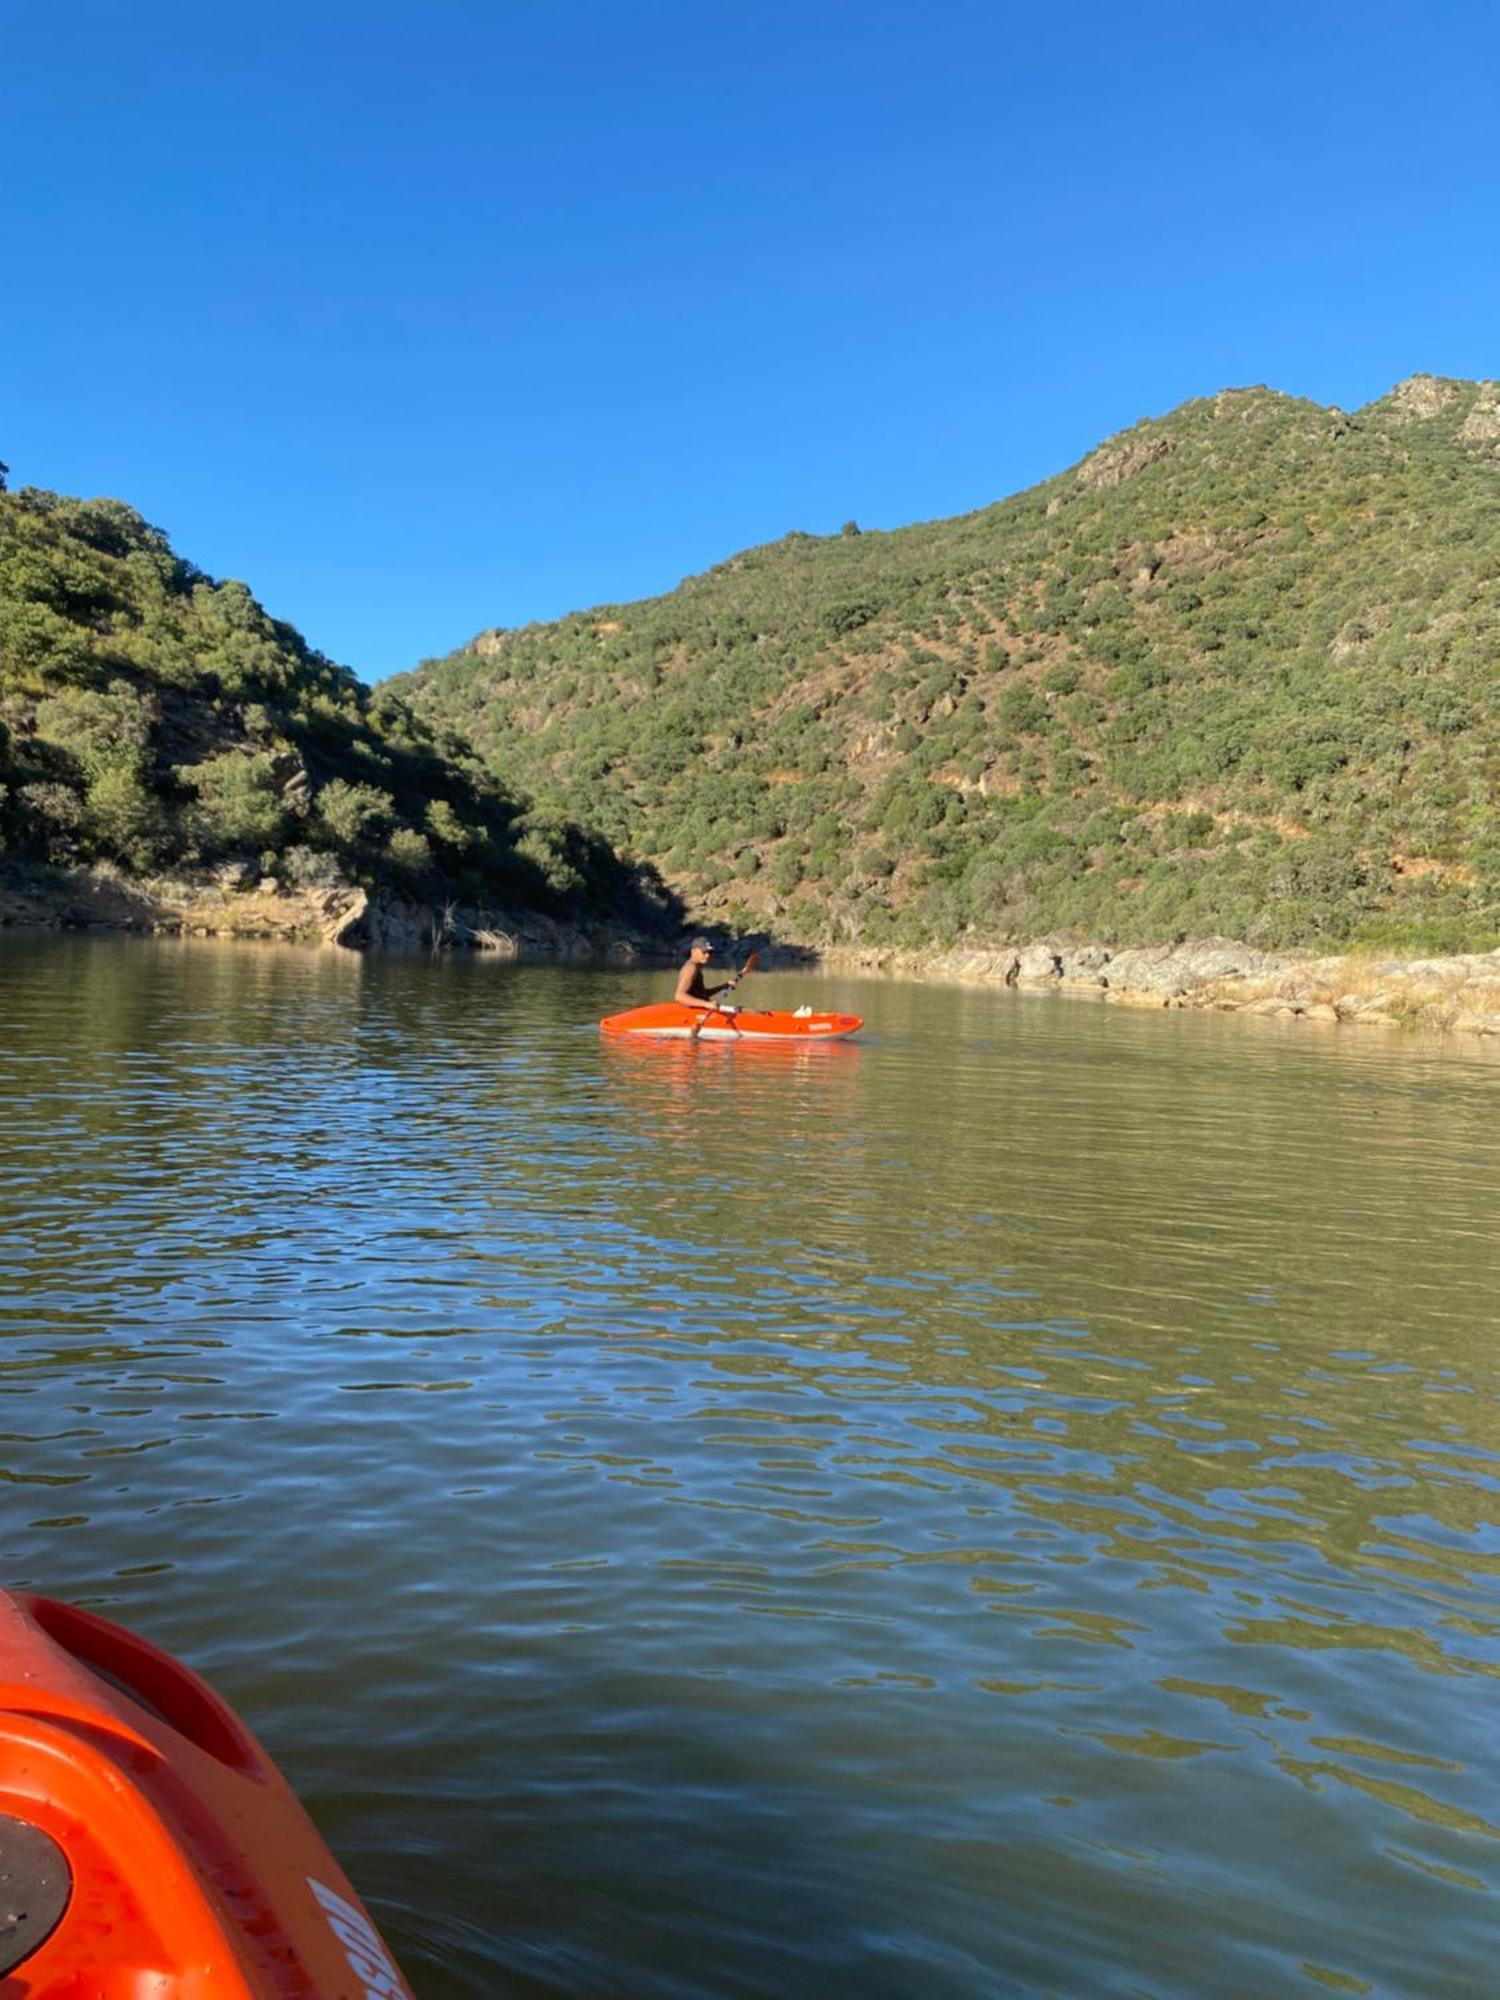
[(671, 1020), (156, 1849)]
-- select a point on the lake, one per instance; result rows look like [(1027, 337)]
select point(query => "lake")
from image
[(1004, 1506)]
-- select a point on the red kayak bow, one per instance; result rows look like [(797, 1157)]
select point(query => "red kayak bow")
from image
[(149, 1848)]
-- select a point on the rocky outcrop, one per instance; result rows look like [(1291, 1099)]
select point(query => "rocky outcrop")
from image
[(1037, 964), (1422, 396), (1112, 464), (1482, 425), (1173, 971)]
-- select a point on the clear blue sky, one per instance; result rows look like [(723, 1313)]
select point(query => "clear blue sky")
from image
[(426, 317)]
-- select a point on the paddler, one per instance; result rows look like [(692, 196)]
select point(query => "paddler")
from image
[(691, 989)]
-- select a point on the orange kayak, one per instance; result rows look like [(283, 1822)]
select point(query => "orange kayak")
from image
[(152, 1849), (673, 1020)]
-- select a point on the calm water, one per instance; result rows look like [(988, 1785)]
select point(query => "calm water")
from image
[(1004, 1507)]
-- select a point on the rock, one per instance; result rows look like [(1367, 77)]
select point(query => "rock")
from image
[(1184, 968), (1220, 958), (1141, 969), (1422, 396), (1037, 964), (351, 927), (1469, 1022), (1112, 464), (976, 965), (1482, 424), (1084, 962), (394, 924)]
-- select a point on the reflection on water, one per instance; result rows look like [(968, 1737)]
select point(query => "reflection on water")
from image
[(1004, 1506)]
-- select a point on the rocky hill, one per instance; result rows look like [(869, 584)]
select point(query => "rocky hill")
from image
[(1237, 672), (158, 726)]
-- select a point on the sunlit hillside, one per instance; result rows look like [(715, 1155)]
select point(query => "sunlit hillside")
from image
[(157, 720), (1238, 672)]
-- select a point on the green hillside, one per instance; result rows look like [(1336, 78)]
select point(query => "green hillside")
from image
[(1236, 672), (153, 718)]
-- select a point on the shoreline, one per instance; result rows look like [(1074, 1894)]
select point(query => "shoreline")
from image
[(348, 917), (1458, 994), (1453, 994)]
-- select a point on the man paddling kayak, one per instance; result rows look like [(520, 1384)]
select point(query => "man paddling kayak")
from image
[(691, 990)]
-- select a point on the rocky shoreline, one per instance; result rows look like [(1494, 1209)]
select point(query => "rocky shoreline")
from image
[(1460, 993), (223, 906)]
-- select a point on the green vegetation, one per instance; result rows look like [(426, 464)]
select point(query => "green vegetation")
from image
[(155, 719), (1237, 672)]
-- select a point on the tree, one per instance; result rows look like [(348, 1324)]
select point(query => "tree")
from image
[(123, 819), (101, 731), (353, 813), (239, 804)]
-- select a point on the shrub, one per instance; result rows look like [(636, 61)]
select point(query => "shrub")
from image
[(408, 851), (123, 819), (444, 824), (311, 868), (239, 804), (351, 814), (101, 731)]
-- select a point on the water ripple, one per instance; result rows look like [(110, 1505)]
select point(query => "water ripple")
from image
[(1006, 1506)]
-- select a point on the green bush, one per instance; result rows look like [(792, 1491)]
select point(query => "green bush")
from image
[(352, 814), (100, 730), (239, 802), (408, 852), (122, 818)]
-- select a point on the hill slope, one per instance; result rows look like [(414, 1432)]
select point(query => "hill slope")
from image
[(1238, 671), (157, 720)]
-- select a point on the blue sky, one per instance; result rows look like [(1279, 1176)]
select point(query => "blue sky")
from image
[(424, 318)]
